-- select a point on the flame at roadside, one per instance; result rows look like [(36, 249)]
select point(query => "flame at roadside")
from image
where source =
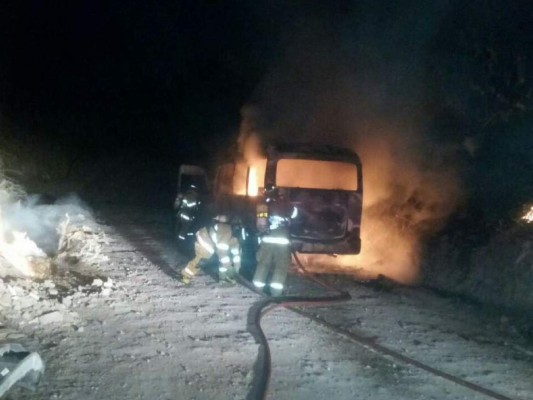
[(23, 254), (30, 230), (17, 249)]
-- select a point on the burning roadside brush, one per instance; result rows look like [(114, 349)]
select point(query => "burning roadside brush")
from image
[(37, 238)]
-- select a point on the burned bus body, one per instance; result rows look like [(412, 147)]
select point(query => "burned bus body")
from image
[(325, 186), (323, 183)]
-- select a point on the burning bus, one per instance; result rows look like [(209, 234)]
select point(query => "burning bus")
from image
[(323, 183)]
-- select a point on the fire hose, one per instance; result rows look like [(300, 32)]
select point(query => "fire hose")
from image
[(286, 301), (296, 301)]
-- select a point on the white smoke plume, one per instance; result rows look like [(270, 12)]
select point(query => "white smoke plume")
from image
[(363, 90), (30, 228), (40, 221)]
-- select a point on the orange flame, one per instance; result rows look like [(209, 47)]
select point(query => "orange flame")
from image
[(404, 202), (409, 191), (253, 189), (19, 250)]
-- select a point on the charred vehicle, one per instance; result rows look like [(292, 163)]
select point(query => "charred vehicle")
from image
[(323, 183)]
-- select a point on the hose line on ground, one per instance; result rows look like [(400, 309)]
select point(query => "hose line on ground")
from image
[(272, 303), (290, 302)]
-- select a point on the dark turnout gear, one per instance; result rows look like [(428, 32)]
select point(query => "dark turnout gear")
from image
[(187, 206), (217, 239), (227, 247), (274, 253)]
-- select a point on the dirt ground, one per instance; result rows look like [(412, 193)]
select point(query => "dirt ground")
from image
[(138, 333)]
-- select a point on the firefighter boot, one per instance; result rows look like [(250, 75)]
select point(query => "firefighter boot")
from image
[(227, 276), (185, 279)]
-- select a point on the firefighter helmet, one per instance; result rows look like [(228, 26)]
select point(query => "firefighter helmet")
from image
[(222, 218), (271, 192), (270, 189)]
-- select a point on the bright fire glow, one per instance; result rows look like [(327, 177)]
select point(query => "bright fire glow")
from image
[(528, 216), (256, 176), (238, 174), (409, 191), (248, 178), (383, 252), (403, 203), (253, 189), (19, 251)]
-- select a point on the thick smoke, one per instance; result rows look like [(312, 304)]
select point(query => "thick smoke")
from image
[(30, 224), (359, 83), (41, 221)]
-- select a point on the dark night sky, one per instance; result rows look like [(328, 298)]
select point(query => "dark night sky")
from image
[(139, 72), (173, 74), (168, 74)]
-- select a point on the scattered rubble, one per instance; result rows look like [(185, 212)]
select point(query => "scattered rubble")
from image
[(24, 301), (80, 242), (38, 288), (17, 365), (48, 318)]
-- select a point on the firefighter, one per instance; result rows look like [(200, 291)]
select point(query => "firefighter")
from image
[(187, 206), (274, 253), (216, 239)]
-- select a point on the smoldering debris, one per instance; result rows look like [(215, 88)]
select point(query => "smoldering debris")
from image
[(40, 237), (79, 242), (40, 221), (50, 254), (50, 258)]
